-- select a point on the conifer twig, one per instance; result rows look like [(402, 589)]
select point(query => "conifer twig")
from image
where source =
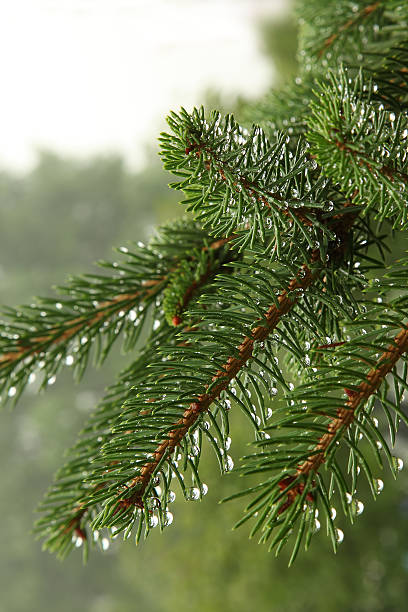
[(346, 414), (369, 386), (243, 183), (35, 344), (362, 14), (363, 159), (224, 376)]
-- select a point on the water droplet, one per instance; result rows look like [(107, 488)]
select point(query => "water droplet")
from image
[(140, 244), (227, 443), (204, 489), (269, 413), (153, 503), (51, 380), (105, 543), (193, 494), (358, 507), (229, 464), (58, 306), (69, 360), (398, 463), (339, 535), (156, 324), (379, 485), (316, 527), (84, 340), (132, 315), (195, 451), (168, 519), (349, 498), (78, 542), (123, 249), (12, 391), (333, 513), (153, 521), (273, 391), (392, 117), (171, 497), (31, 378)]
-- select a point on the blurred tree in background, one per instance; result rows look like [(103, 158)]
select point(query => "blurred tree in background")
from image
[(56, 220)]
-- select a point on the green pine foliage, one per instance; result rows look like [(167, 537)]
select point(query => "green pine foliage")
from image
[(276, 297)]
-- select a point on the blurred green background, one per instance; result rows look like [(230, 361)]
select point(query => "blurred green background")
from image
[(57, 220)]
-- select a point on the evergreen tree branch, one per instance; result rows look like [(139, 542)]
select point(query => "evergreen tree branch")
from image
[(284, 269), (360, 145), (345, 416), (47, 335), (362, 14), (61, 333), (297, 489), (220, 382), (235, 179), (133, 495)]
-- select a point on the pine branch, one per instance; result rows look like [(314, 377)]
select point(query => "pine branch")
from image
[(345, 416), (295, 488), (104, 483), (362, 14), (299, 223), (220, 382), (234, 179), (365, 26), (47, 335), (103, 312), (360, 145)]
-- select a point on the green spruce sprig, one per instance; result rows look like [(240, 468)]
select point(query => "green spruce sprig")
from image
[(264, 304)]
